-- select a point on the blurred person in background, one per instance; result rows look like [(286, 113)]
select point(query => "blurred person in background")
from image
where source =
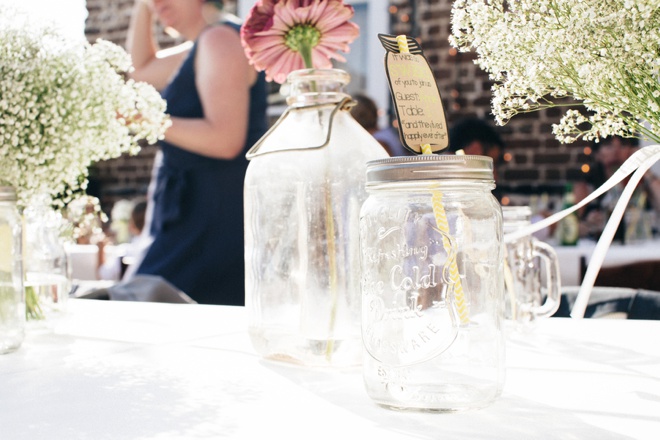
[(476, 136), (217, 102), (365, 112), (124, 253)]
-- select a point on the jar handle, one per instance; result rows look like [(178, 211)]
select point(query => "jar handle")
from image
[(553, 278)]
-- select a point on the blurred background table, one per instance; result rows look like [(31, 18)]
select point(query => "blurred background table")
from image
[(573, 259), (84, 259), (129, 370)]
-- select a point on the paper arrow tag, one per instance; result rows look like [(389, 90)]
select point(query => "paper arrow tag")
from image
[(417, 100)]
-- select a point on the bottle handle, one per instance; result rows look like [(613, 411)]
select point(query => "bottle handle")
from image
[(344, 104)]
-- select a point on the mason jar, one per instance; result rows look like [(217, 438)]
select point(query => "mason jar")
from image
[(47, 276), (12, 301), (303, 190), (432, 285)]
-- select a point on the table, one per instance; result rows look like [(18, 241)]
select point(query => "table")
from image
[(83, 259), (127, 370), (617, 254)]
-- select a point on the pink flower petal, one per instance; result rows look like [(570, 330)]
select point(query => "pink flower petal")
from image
[(265, 60), (261, 40), (285, 13), (320, 60), (334, 19), (285, 64), (329, 54)]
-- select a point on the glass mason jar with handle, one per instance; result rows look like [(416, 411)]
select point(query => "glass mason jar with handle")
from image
[(303, 190), (524, 284), (432, 287)]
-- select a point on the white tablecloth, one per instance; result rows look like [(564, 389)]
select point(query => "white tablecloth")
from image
[(114, 370), (617, 254)]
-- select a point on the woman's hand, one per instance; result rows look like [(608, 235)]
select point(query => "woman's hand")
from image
[(151, 65)]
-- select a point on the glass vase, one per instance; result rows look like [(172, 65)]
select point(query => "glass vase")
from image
[(47, 279), (12, 301), (303, 191)]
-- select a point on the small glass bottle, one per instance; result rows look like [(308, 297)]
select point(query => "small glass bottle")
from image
[(12, 301), (432, 285), (303, 191)]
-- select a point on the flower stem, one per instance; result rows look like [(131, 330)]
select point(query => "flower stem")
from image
[(332, 256), (306, 54), (32, 307)]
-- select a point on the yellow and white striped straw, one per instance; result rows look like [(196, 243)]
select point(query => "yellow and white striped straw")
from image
[(443, 225), (403, 44)]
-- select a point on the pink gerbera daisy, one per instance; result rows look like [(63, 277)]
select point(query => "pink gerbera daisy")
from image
[(280, 36)]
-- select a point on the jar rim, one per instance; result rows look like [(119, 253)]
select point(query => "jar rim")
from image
[(516, 213), (7, 194), (318, 74), (430, 167)]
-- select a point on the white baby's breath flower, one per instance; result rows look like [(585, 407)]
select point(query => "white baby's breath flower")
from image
[(65, 105), (542, 52)]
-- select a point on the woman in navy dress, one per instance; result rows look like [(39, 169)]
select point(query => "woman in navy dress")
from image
[(217, 102)]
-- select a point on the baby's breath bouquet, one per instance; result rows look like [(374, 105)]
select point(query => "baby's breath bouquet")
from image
[(65, 105), (546, 53)]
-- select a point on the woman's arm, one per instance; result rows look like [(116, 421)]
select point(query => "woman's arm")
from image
[(151, 65), (223, 77)]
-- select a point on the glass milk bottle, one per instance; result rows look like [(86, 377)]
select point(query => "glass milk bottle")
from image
[(12, 301), (432, 286), (303, 191)]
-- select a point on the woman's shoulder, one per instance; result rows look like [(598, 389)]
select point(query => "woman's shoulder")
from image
[(230, 20), (220, 37), (221, 54), (225, 24)]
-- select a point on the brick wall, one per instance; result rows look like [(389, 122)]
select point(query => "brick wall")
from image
[(537, 161), (126, 176), (108, 19)]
